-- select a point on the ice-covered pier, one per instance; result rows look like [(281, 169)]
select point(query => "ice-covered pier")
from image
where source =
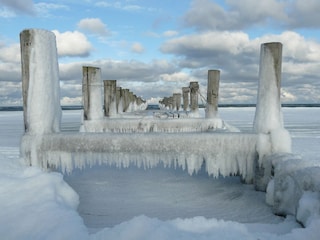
[(262, 157), (223, 152)]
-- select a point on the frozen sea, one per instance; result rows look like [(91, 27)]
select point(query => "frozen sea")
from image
[(133, 203)]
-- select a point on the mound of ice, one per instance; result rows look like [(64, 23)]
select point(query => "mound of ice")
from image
[(37, 205)]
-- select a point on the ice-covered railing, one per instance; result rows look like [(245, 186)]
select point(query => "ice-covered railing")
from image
[(224, 153), (145, 125)]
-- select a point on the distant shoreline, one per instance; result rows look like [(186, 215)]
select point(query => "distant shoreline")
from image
[(78, 107)]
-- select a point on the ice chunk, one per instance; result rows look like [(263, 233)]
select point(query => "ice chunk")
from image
[(293, 176), (309, 207)]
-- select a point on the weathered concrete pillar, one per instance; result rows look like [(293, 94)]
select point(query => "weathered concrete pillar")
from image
[(92, 93), (194, 88), (268, 122), (174, 103), (185, 96), (268, 114), (139, 101), (170, 102), (177, 97), (212, 93), (110, 101), (126, 100), (163, 102), (130, 100), (118, 100), (123, 99), (40, 81)]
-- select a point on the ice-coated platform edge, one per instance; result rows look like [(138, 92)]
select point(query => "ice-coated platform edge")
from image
[(224, 153), (136, 125)]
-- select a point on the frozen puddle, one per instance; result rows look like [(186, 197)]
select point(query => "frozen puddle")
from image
[(109, 196)]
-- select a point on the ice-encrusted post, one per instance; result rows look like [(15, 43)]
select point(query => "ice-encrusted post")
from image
[(118, 100), (177, 97), (170, 102), (268, 114), (40, 82), (268, 121), (92, 93), (212, 93), (164, 102), (194, 88), (132, 101), (185, 96), (174, 103), (110, 102), (126, 101)]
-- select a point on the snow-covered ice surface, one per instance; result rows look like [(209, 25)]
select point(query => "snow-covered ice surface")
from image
[(132, 203)]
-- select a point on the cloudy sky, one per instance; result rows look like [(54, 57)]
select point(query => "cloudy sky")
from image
[(155, 48)]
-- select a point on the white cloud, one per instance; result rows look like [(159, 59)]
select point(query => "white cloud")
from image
[(303, 14), (24, 6), (238, 57), (239, 15), (170, 33), (72, 44), (45, 9), (206, 43), (137, 48), (256, 11), (10, 93), (94, 26), (7, 13), (123, 6), (71, 101), (10, 53), (10, 63), (286, 96), (295, 46), (178, 77)]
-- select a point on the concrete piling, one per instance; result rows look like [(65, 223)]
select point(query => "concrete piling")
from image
[(185, 96), (268, 114), (92, 93), (40, 81), (177, 101), (110, 95), (194, 88), (118, 100), (212, 93), (126, 102)]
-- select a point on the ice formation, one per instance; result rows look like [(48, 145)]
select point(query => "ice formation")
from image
[(173, 125), (296, 181), (223, 153), (41, 83), (268, 112)]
